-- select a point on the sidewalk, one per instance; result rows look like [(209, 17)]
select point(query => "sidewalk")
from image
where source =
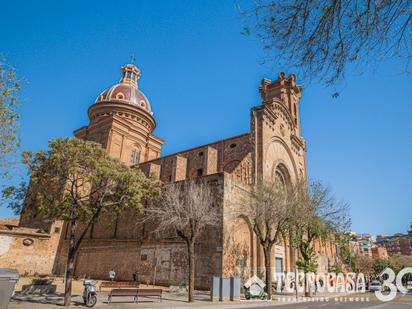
[(173, 300), (169, 300)]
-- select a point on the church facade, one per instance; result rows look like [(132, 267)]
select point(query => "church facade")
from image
[(122, 121)]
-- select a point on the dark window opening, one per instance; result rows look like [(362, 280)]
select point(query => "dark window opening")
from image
[(199, 172), (170, 178), (57, 230), (232, 145), (201, 154), (135, 156)]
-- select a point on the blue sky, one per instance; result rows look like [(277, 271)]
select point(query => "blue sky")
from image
[(201, 77)]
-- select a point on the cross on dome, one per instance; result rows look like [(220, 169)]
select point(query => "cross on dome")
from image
[(132, 59)]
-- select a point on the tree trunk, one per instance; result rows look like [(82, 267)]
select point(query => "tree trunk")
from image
[(73, 247), (296, 272), (70, 265), (308, 292), (191, 257), (268, 271)]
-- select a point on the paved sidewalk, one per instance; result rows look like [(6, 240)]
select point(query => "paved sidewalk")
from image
[(173, 300), (55, 301), (170, 300)]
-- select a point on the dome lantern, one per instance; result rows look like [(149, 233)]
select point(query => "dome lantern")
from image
[(131, 75)]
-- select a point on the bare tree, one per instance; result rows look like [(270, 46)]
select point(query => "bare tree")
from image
[(324, 217), (320, 38), (186, 208), (268, 208)]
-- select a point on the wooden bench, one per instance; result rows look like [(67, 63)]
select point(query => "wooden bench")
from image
[(135, 293), (118, 284), (122, 292), (150, 292)]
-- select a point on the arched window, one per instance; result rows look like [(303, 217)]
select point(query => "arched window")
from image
[(281, 174), (280, 178), (135, 156)]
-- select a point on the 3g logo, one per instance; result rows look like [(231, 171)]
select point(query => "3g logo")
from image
[(388, 283)]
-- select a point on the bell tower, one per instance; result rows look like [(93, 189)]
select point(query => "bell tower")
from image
[(279, 148), (121, 119), (286, 91)]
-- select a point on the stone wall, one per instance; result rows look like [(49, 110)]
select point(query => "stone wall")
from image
[(239, 249), (9, 221), (28, 251)]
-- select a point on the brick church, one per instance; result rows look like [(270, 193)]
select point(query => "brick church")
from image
[(122, 121)]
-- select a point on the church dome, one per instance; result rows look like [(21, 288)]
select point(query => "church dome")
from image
[(126, 91)]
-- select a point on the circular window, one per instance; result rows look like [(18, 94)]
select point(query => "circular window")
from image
[(143, 103), (120, 96)]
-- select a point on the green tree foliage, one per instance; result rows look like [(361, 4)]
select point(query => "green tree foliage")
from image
[(319, 38), (342, 241), (76, 181), (9, 114), (337, 268), (378, 265), (396, 263), (307, 265)]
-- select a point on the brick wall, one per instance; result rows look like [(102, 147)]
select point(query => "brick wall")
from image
[(134, 246), (222, 156)]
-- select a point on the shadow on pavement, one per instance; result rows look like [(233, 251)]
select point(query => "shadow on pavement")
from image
[(48, 299)]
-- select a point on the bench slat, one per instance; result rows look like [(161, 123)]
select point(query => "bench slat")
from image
[(127, 284), (135, 293), (119, 292), (149, 292)]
